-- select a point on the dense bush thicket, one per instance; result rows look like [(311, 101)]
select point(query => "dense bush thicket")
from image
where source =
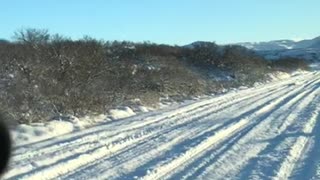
[(43, 75), (288, 64)]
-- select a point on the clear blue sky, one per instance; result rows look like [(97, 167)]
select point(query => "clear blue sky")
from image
[(166, 21)]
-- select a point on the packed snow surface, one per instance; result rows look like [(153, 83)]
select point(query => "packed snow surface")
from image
[(270, 131)]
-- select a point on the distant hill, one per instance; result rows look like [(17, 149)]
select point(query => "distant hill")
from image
[(308, 49), (2, 41), (282, 44)]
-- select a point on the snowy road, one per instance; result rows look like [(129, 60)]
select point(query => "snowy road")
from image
[(267, 132)]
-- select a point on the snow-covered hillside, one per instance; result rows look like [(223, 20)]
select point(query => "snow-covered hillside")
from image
[(282, 44), (266, 132), (273, 50), (310, 54)]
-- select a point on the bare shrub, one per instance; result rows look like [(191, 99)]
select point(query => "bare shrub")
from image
[(43, 76), (289, 64)]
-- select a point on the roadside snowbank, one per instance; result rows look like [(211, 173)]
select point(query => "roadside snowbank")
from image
[(26, 134), (121, 113)]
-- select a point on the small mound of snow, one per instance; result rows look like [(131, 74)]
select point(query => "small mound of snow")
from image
[(143, 109), (279, 75), (25, 134), (59, 127), (88, 121), (121, 113)]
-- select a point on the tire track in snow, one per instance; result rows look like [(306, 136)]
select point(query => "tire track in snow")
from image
[(201, 134), (309, 164), (309, 167), (247, 148), (175, 128), (296, 150), (157, 171), (265, 167), (254, 149)]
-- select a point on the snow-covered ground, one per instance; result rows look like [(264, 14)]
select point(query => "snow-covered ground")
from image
[(26, 134), (271, 131)]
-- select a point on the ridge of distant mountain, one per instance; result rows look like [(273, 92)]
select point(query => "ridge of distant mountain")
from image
[(282, 44)]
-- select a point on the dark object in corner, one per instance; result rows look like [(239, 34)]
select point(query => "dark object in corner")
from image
[(5, 146)]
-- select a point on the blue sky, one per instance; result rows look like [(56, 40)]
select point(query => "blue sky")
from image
[(166, 21)]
